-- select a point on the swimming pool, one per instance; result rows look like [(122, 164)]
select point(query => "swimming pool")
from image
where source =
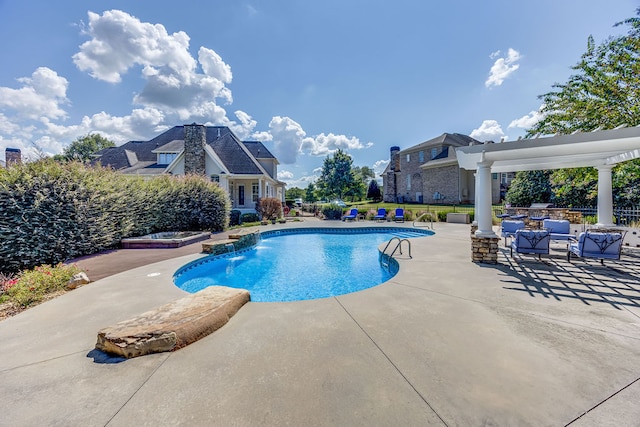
[(300, 264)]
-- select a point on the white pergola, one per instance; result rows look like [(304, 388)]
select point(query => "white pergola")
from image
[(600, 149)]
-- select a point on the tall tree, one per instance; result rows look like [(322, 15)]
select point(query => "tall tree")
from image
[(374, 192), (310, 193), (337, 176), (294, 193), (529, 187), (83, 147), (603, 93)]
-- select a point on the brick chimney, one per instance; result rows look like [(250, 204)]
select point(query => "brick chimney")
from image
[(195, 138), (13, 156)]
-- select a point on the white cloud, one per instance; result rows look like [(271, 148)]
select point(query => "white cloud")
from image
[(527, 121), (489, 130), (323, 145), (120, 42), (288, 136), (40, 96), (291, 140), (379, 166), (285, 175), (503, 67)]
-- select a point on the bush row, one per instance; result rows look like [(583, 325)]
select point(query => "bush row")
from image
[(51, 212)]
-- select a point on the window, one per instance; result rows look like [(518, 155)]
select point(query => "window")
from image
[(408, 182), (434, 153), (408, 158), (254, 192), (215, 178), (421, 156), (166, 158)]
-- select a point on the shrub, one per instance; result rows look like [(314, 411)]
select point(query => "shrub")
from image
[(52, 212), (249, 217), (269, 208), (31, 286), (442, 215), (234, 217), (332, 211)]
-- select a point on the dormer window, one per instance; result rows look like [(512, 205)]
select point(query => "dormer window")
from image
[(166, 158)]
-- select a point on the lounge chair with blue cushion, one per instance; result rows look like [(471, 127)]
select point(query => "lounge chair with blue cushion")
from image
[(599, 245), (399, 215), (382, 214), (531, 242), (353, 215), (560, 229), (509, 228)]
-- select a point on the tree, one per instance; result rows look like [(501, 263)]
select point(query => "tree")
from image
[(603, 93), (337, 176), (529, 187), (310, 193), (83, 147), (294, 193), (374, 191)]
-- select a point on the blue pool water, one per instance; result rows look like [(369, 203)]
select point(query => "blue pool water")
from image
[(293, 265)]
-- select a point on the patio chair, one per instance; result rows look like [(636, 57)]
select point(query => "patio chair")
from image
[(399, 215), (381, 215), (599, 245), (531, 242), (560, 229), (352, 215), (509, 228)]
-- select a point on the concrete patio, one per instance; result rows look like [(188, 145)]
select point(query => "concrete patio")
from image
[(445, 342)]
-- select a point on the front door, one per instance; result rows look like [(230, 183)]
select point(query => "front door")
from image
[(241, 195)]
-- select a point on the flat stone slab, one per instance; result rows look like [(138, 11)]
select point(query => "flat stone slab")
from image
[(242, 232), (210, 246), (173, 325)]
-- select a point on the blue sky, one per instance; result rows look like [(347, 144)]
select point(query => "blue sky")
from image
[(305, 77)]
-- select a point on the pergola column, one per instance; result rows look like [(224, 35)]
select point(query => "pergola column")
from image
[(605, 196), (483, 201)]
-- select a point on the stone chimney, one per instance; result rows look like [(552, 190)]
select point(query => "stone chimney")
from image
[(395, 159), (195, 138), (13, 156)]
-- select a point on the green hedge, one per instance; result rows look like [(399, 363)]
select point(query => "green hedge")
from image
[(52, 212)]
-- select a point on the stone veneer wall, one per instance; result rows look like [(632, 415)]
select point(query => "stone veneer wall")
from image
[(13, 156), (195, 138), (483, 250)]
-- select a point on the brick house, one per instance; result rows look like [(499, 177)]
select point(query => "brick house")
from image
[(246, 169), (429, 173)]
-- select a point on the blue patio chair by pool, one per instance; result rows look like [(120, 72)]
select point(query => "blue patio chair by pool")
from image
[(352, 215), (599, 245), (381, 215), (560, 229), (399, 215), (531, 242), (509, 228)]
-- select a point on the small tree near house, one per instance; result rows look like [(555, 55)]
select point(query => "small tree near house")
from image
[(269, 208)]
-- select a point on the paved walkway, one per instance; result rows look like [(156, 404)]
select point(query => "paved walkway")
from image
[(446, 342)]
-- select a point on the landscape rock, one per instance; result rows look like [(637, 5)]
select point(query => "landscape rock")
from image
[(78, 279), (173, 325)]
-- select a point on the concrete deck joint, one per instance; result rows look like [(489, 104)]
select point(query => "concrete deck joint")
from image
[(391, 362)]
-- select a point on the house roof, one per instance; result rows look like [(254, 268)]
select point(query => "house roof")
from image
[(447, 139), (136, 155), (258, 150)]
